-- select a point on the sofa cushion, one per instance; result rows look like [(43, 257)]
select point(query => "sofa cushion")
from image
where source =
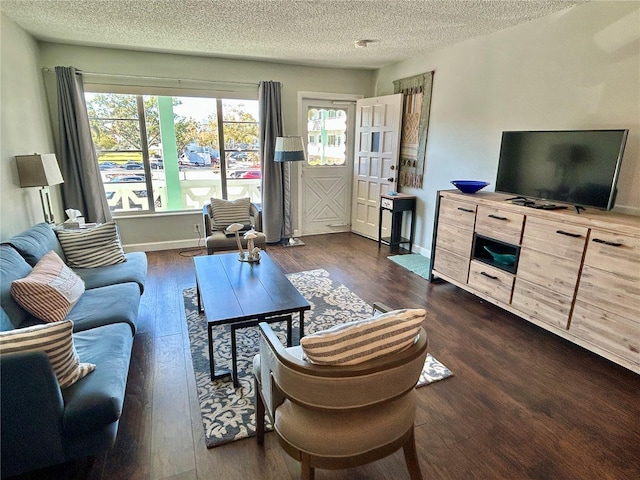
[(106, 305), (35, 242), (96, 400), (362, 340), (56, 340), (226, 212), (13, 267), (133, 270), (50, 290), (95, 247)]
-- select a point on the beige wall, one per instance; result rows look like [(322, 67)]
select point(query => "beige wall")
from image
[(577, 69), (168, 231), (24, 128)]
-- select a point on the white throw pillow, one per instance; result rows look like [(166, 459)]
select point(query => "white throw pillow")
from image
[(56, 340), (50, 290), (226, 212), (362, 340), (95, 247)]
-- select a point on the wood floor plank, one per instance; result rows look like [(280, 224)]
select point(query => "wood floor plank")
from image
[(522, 403)]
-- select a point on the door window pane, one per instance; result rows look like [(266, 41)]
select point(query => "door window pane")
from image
[(326, 137)]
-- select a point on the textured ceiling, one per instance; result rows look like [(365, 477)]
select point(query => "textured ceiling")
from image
[(316, 32)]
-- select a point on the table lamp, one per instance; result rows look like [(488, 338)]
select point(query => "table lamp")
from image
[(289, 149), (40, 170)]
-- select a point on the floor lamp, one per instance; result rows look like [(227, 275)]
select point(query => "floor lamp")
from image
[(289, 149), (40, 171)]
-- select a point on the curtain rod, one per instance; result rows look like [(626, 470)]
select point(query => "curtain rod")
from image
[(147, 77)]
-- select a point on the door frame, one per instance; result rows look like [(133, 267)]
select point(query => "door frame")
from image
[(302, 119)]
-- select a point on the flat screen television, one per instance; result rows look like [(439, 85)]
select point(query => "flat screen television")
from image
[(578, 167)]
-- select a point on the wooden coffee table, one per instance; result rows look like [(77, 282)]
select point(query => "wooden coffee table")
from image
[(244, 294)]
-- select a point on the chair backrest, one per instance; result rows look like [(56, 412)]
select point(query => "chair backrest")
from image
[(337, 387)]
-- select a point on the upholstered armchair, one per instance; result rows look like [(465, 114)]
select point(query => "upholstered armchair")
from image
[(217, 240), (335, 417)]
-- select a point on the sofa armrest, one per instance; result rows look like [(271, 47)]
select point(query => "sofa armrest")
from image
[(31, 413), (206, 218), (256, 215)]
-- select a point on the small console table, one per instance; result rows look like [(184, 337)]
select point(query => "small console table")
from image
[(397, 205)]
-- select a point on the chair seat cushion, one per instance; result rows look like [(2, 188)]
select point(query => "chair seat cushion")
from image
[(106, 305), (345, 433), (97, 400), (133, 270), (219, 241)]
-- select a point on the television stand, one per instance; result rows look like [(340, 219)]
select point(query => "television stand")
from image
[(574, 275), (547, 206)]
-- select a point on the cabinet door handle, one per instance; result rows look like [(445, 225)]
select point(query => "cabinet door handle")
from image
[(492, 277), (569, 234), (606, 242), (497, 217), (468, 210)]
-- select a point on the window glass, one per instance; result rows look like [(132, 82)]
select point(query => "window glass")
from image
[(326, 139), (171, 146)]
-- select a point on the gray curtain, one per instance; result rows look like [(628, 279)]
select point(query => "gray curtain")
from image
[(270, 103), (82, 188)]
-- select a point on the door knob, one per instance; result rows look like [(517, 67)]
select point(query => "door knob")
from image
[(392, 167), (390, 179)]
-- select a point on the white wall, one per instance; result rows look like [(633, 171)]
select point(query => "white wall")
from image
[(577, 69), (173, 231), (24, 128)]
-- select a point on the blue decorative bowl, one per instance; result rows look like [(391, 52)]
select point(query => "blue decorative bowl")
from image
[(469, 186)]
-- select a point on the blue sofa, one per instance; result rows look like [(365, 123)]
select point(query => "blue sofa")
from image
[(41, 424)]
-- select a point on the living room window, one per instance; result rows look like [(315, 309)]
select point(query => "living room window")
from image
[(176, 148)]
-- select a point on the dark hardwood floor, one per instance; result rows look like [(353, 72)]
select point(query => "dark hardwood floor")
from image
[(522, 404)]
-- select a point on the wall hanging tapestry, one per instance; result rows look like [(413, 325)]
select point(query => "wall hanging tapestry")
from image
[(415, 124)]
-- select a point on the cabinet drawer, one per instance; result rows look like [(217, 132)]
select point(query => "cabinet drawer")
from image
[(453, 212), (492, 282), (607, 330), (498, 224), (619, 254), (451, 265), (555, 238), (546, 305), (554, 273), (455, 239), (611, 292)]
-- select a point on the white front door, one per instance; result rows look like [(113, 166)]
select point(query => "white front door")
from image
[(377, 148), (326, 175)]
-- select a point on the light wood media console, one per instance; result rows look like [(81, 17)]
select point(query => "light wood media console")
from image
[(574, 274)]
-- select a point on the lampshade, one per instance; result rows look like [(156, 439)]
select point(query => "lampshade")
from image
[(38, 170), (289, 149)]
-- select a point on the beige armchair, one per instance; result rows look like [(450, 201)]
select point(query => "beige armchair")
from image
[(335, 417), (217, 241)]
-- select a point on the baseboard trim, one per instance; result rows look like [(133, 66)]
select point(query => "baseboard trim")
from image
[(168, 245)]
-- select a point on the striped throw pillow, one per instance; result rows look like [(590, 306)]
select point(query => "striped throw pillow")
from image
[(50, 290), (362, 340), (56, 340), (226, 212), (95, 247)]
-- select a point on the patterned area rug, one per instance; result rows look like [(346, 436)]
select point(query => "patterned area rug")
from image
[(228, 413), (418, 264)]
